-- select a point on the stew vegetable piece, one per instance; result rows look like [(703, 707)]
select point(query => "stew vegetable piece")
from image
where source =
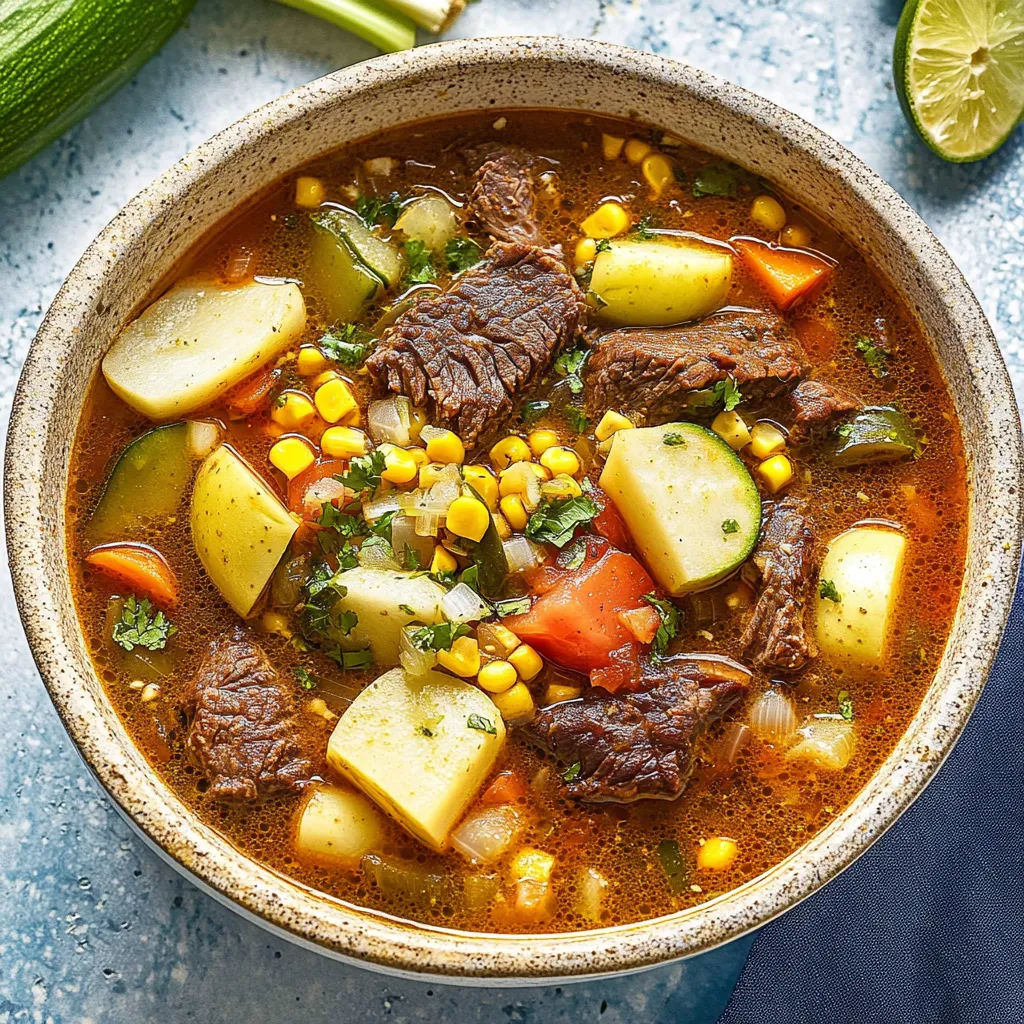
[(544, 526)]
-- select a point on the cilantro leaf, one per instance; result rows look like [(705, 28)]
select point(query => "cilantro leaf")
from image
[(728, 394), (364, 473), (673, 439), (377, 210), (439, 637), (410, 559), (338, 528), (576, 418), (305, 678), (603, 245), (730, 526), (644, 226), (845, 705), (461, 254), (574, 555), (349, 345), (531, 412), (555, 522), (572, 772), (481, 723), (569, 364), (715, 180), (512, 606), (875, 357), (356, 660), (421, 268), (669, 615), (827, 592), (139, 627)]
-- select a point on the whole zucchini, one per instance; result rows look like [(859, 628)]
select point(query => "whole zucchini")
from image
[(60, 58)]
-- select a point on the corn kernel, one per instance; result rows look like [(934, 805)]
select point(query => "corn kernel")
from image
[(541, 440), (443, 561), (509, 450), (607, 221), (293, 410), (516, 479), (776, 472), (556, 693), (586, 250), (636, 150), (275, 622), (561, 486), (309, 192), (766, 439), (526, 661), (508, 640), (531, 871), (496, 677), (399, 466), (514, 511), (463, 659), (343, 442), (657, 171), (292, 455), (334, 400), (448, 448), (467, 517), (767, 213), (611, 423), (430, 474), (542, 473), (320, 380), (795, 235), (482, 480), (310, 360), (729, 426), (515, 704), (561, 460), (611, 146), (419, 456), (717, 853), (352, 419)]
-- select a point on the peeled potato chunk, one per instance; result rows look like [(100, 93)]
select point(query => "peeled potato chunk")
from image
[(338, 825)]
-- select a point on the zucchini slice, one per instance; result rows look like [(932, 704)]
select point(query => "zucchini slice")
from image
[(690, 504), (878, 434)]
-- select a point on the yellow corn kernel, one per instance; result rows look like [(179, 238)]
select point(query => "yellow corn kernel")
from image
[(795, 235), (542, 473), (467, 517), (776, 472), (399, 466), (561, 460), (515, 704), (482, 480), (527, 662), (767, 213), (293, 410), (443, 561), (334, 400), (555, 693), (636, 150), (417, 421), (531, 871), (586, 250), (561, 486), (352, 419), (320, 380), (497, 677), (419, 456), (657, 172), (309, 192), (607, 221), (275, 622), (343, 442), (611, 423), (541, 440), (509, 450), (514, 511), (292, 455), (463, 659), (448, 448), (516, 479), (716, 853), (430, 474), (508, 640), (310, 360), (611, 146), (729, 426), (766, 439)]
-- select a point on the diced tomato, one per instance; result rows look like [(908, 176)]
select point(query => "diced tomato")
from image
[(609, 522), (143, 568), (624, 670), (254, 394), (505, 788), (574, 620), (787, 275), (314, 486)]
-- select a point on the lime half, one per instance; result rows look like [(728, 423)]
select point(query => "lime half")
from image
[(959, 68)]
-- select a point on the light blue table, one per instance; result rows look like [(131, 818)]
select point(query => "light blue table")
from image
[(93, 927)]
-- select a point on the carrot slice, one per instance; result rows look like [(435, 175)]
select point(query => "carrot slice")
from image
[(139, 566), (506, 788), (787, 275), (254, 394)]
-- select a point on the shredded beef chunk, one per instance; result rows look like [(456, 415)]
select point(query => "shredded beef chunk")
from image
[(784, 556), (472, 348), (636, 746), (814, 401), (651, 372), (503, 199), (242, 730)]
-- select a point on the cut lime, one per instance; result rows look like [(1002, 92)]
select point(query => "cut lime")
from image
[(959, 68)]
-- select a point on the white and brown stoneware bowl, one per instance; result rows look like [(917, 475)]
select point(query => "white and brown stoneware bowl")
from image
[(141, 246)]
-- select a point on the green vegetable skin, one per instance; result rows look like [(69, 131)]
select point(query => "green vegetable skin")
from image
[(60, 58)]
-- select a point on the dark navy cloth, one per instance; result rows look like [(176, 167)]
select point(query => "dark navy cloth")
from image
[(928, 926)]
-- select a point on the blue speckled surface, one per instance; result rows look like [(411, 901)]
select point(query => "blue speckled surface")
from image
[(93, 927)]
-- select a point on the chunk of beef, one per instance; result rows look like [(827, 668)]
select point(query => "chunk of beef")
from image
[(242, 729), (636, 746), (652, 373), (472, 348), (503, 200), (813, 402), (784, 556)]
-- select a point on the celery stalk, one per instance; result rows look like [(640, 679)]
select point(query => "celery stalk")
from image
[(377, 24), (433, 15)]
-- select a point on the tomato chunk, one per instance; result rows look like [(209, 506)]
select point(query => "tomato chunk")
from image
[(609, 522), (313, 487)]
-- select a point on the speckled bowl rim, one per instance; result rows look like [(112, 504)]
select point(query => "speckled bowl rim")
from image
[(406, 948)]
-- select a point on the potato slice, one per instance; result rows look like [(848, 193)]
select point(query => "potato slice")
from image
[(240, 529), (420, 748), (864, 565), (338, 825), (199, 340)]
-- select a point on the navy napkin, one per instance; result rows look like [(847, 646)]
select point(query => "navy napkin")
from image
[(928, 926)]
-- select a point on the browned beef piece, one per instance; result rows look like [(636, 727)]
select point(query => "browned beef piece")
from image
[(471, 349), (784, 556), (242, 729), (813, 402), (651, 372), (503, 199), (636, 746)]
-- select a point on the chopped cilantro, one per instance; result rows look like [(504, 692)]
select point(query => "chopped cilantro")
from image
[(338, 528), (730, 526), (421, 268), (407, 610), (572, 772), (876, 358), (512, 606), (669, 615), (845, 430), (410, 559), (576, 418), (471, 577), (425, 731), (531, 412), (574, 555), (673, 439), (356, 660), (827, 591), (845, 705), (439, 637), (320, 591), (569, 364), (305, 678), (728, 394), (364, 473), (377, 210), (715, 180), (482, 724), (461, 254), (603, 245), (139, 627), (446, 578), (349, 345), (555, 522), (644, 226)]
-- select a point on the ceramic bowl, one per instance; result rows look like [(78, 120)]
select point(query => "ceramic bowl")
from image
[(141, 246)]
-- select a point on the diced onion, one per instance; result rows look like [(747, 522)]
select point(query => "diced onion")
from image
[(592, 886), (463, 604), (377, 556), (404, 536), (416, 662), (428, 525), (430, 219), (481, 890), (407, 878), (734, 738), (446, 489), (828, 742), (484, 836), (380, 166), (202, 437), (772, 718), (389, 420), (431, 433), (522, 554), (380, 507), (318, 493)]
